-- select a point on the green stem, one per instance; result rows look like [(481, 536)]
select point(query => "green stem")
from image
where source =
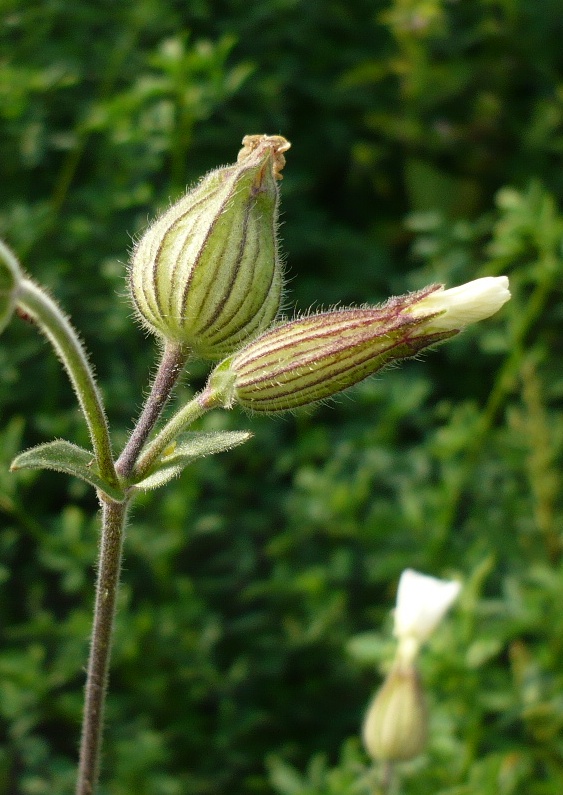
[(174, 357), (388, 779), (10, 260), (35, 303), (381, 779), (173, 428), (109, 566)]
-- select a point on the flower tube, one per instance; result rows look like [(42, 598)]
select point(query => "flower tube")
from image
[(312, 358)]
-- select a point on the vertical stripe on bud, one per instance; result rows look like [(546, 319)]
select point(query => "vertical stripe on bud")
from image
[(207, 273)]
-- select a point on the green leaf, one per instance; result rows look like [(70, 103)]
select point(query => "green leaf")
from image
[(192, 445), (63, 456)]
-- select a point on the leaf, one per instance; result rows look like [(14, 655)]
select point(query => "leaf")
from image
[(193, 445), (62, 456)]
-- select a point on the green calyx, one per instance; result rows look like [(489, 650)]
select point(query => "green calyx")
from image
[(396, 725), (207, 273), (313, 358)]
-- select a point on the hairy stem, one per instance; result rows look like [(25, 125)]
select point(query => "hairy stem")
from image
[(178, 423), (41, 308), (113, 523), (174, 358)]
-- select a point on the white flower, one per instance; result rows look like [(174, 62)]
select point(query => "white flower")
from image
[(422, 602), (465, 304)]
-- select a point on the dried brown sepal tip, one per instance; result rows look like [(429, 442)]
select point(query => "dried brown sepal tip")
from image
[(276, 143)]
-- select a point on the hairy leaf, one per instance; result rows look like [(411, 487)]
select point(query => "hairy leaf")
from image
[(193, 445), (63, 456)]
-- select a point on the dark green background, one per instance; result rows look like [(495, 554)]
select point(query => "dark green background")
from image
[(254, 614)]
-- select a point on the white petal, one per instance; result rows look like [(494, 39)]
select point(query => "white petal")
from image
[(422, 602), (465, 304)]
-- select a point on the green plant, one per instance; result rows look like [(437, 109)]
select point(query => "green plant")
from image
[(205, 278)]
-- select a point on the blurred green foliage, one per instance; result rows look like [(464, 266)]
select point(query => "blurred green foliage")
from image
[(253, 623)]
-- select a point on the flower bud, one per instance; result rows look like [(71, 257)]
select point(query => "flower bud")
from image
[(10, 279), (206, 274), (396, 724), (314, 357)]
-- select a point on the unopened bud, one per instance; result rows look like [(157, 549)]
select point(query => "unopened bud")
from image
[(312, 358), (396, 724), (206, 274), (10, 280)]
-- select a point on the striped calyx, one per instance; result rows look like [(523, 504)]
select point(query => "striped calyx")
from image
[(313, 358), (396, 724), (206, 274)]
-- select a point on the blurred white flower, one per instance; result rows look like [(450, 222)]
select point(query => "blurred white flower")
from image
[(396, 723), (422, 602), (465, 304)]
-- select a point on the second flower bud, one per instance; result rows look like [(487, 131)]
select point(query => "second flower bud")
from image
[(315, 357)]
